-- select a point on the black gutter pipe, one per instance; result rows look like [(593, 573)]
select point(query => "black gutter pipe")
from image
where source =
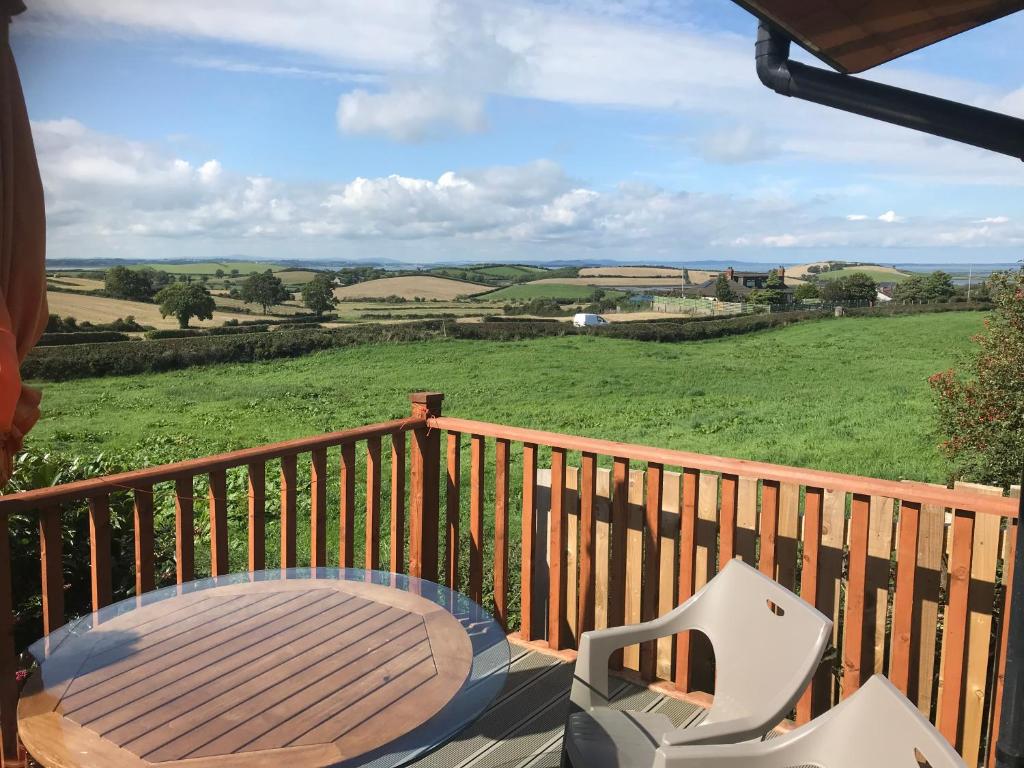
[(939, 117), (1010, 744)]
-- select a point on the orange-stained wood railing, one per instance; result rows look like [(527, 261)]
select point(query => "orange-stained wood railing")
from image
[(913, 575)]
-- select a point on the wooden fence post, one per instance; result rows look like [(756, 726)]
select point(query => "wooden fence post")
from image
[(423, 492)]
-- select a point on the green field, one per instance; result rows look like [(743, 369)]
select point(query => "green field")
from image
[(846, 395), (528, 291), (878, 275), (209, 267)]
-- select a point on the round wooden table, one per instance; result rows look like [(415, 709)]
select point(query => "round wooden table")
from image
[(294, 667)]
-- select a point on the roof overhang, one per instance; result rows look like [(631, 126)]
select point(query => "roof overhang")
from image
[(855, 36)]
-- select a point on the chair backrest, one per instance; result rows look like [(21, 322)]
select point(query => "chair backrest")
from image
[(876, 726), (767, 644)]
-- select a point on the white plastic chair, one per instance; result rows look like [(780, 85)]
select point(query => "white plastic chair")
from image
[(876, 727), (767, 644)]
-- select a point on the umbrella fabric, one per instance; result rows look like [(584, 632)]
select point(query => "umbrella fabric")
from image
[(23, 310)]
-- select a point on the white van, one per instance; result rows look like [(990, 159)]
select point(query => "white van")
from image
[(585, 320)]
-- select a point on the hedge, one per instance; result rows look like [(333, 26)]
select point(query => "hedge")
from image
[(80, 337), (88, 360), (173, 333), (185, 333)]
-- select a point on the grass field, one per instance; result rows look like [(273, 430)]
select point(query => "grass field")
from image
[(543, 290), (846, 395), (878, 274), (410, 287), (100, 309)]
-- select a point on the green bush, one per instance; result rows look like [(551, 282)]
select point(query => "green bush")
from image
[(233, 329), (168, 354), (64, 338), (173, 333)]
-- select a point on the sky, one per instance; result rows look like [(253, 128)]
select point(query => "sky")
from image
[(473, 130)]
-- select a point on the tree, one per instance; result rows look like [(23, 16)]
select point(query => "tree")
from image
[(806, 291), (856, 286), (686, 277), (724, 291), (124, 283), (219, 273), (318, 293), (265, 289), (910, 290), (939, 286), (981, 414), (185, 302)]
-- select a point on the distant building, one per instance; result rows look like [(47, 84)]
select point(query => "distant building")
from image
[(741, 283)]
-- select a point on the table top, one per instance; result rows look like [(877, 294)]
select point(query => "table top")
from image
[(305, 668)]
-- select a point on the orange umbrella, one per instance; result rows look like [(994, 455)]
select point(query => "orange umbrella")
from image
[(23, 311)]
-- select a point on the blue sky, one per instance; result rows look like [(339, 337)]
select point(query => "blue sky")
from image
[(425, 130)]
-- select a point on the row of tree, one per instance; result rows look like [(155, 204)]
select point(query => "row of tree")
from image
[(855, 287), (187, 300)]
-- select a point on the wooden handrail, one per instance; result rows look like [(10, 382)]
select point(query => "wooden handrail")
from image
[(923, 493), (82, 489)]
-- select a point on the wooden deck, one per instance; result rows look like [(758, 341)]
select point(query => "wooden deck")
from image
[(523, 727)]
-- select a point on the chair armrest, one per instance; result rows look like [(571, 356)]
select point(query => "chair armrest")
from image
[(729, 732), (721, 756), (590, 681)]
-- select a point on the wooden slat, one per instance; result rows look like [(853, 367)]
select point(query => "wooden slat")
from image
[(634, 562), (528, 541), (787, 535), (8, 658), (184, 530), (397, 539), (922, 492), (903, 597), (853, 631), (924, 633), (954, 625), (99, 551), (687, 568), (373, 470), (769, 527), (746, 520), (257, 472), (557, 629), (218, 523), (453, 503), (702, 657), (347, 506), (143, 519), (572, 549), (980, 600), (876, 586), (318, 508), (1009, 553), (617, 568), (810, 575), (727, 520), (652, 565), (588, 493), (830, 575), (478, 463), (670, 500), (51, 559), (501, 495), (602, 547), (289, 515)]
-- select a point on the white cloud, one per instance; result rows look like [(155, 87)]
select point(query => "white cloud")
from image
[(856, 217), (993, 220), (890, 217), (410, 114), (106, 195)]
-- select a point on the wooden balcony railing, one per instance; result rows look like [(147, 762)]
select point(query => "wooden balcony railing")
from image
[(915, 576)]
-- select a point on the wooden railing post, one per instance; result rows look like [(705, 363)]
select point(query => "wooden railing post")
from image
[(423, 492), (8, 659)]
